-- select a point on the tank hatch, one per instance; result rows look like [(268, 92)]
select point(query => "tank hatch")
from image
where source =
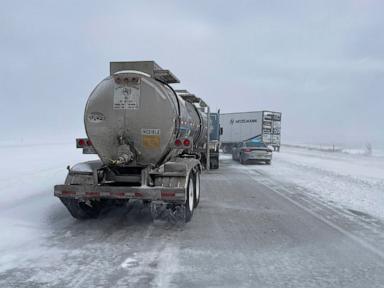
[(149, 67)]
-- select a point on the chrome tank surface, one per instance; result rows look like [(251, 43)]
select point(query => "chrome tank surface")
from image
[(133, 119)]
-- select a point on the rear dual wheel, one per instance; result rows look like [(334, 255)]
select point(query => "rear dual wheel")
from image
[(193, 195), (197, 188), (214, 163), (190, 205)]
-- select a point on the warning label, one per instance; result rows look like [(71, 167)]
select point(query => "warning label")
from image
[(126, 97), (151, 141)]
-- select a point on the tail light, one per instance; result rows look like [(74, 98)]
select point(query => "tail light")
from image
[(126, 80), (183, 143), (86, 145), (186, 142), (247, 150), (83, 143)]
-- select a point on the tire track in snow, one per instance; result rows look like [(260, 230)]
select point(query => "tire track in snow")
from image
[(316, 211)]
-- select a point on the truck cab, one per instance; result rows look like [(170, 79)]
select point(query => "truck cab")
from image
[(214, 139)]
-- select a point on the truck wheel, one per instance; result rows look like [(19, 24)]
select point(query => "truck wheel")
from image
[(196, 199), (214, 163), (189, 205), (82, 210)]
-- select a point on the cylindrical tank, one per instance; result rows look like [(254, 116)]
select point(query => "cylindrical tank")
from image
[(133, 119)]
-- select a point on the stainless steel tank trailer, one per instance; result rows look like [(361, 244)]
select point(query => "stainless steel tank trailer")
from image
[(152, 142)]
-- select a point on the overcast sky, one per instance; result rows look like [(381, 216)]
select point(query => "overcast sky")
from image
[(321, 63)]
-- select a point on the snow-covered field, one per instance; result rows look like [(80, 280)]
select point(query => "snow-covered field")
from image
[(27, 177), (367, 150), (354, 181), (31, 169)]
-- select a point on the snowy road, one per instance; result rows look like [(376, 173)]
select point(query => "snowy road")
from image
[(252, 229)]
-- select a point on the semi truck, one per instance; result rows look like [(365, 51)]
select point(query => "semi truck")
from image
[(238, 127), (151, 142), (214, 139)]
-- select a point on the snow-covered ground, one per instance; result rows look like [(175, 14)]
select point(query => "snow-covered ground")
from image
[(367, 150), (27, 176), (42, 245), (353, 181), (31, 169)]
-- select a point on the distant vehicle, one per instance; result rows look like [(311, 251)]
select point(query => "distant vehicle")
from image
[(241, 126), (252, 150)]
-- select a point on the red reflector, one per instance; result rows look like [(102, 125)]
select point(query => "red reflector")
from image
[(81, 142), (92, 194), (138, 194), (186, 142), (118, 194), (89, 142), (168, 194), (247, 150), (178, 142), (68, 193)]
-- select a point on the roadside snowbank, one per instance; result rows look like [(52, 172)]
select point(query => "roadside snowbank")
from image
[(368, 150), (350, 180), (30, 170)]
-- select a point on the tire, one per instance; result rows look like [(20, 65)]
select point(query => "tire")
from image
[(81, 210), (189, 204), (268, 162), (214, 163), (196, 194), (242, 162)]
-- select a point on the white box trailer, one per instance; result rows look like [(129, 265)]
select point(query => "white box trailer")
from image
[(241, 126)]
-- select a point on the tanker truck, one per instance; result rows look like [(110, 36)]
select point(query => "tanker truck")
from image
[(151, 141)]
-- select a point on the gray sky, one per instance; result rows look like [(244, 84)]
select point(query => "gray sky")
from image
[(319, 62)]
